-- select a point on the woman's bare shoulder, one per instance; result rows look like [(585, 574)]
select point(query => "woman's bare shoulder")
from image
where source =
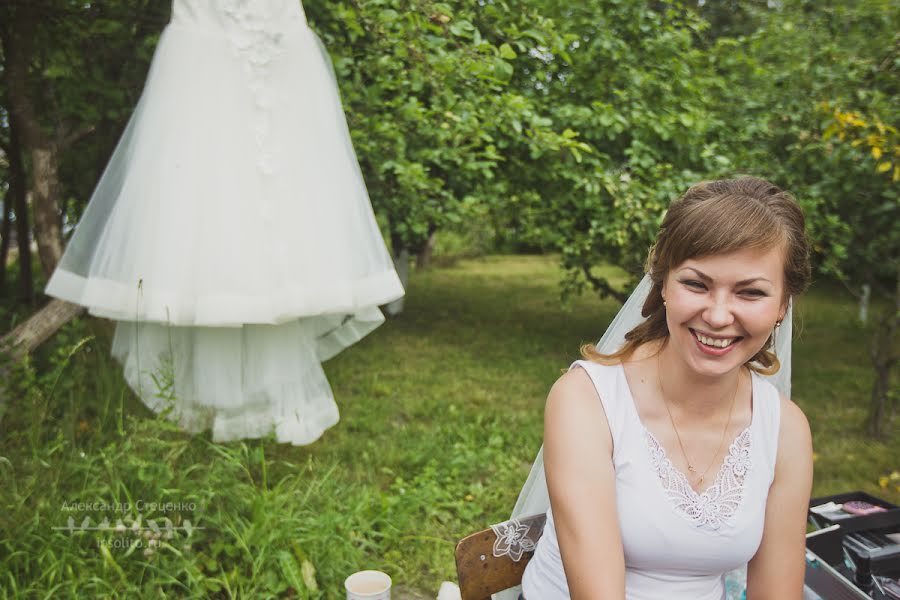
[(574, 407), (795, 438), (574, 390), (572, 382), (793, 420)]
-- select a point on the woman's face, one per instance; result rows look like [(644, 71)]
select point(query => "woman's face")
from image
[(721, 309)]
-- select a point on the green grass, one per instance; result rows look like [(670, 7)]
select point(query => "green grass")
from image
[(441, 417)]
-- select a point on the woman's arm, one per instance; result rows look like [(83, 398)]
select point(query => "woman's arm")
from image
[(581, 482), (778, 568)]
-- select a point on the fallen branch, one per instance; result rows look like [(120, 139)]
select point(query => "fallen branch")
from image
[(30, 334)]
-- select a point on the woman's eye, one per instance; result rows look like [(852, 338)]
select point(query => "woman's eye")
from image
[(754, 293), (697, 285)]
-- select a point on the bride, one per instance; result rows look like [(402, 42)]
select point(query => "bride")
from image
[(670, 460)]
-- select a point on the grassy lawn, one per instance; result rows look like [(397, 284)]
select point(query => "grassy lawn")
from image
[(441, 418)]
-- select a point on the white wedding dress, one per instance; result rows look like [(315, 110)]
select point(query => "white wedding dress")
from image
[(231, 234)]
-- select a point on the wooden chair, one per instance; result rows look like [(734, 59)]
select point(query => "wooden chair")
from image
[(494, 559)]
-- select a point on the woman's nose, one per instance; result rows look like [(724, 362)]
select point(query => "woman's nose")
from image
[(718, 314)]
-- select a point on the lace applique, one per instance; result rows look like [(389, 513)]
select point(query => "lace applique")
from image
[(512, 540), (717, 505), (257, 40)]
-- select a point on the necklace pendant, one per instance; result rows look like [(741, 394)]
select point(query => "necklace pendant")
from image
[(691, 468)]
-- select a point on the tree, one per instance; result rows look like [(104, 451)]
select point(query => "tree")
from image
[(18, 46), (813, 95), (559, 126), (66, 92), (64, 79), (631, 85), (428, 89)]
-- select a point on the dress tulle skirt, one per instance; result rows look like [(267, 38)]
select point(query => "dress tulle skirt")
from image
[(232, 235), (240, 382)]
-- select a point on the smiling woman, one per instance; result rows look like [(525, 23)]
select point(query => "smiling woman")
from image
[(632, 438), (711, 221), (722, 308)]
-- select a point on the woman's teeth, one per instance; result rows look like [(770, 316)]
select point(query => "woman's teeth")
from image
[(714, 342)]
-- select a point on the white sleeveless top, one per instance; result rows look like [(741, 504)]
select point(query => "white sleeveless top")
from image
[(676, 542)]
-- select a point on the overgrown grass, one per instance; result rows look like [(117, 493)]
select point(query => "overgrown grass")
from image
[(441, 418)]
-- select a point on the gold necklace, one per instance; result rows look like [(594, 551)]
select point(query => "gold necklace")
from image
[(691, 468)]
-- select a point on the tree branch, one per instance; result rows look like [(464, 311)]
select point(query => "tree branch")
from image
[(71, 138), (602, 286)]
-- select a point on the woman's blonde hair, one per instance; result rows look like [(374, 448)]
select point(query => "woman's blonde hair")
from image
[(720, 217)]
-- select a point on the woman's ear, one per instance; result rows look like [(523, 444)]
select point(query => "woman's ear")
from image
[(783, 311)]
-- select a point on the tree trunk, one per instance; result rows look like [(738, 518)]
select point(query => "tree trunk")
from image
[(401, 265), (5, 232), (20, 206), (400, 255), (18, 44), (881, 407), (423, 258), (864, 303), (45, 204), (27, 137)]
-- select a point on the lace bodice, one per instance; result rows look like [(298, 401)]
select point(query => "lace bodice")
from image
[(231, 16), (256, 33), (718, 503)]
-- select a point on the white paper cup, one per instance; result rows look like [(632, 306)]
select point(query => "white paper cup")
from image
[(368, 585)]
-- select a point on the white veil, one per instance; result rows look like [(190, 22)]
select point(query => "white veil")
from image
[(534, 498)]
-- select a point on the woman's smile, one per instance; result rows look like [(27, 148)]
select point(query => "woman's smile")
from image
[(715, 345)]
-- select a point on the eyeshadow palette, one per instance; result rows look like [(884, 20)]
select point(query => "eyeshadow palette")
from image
[(855, 511)]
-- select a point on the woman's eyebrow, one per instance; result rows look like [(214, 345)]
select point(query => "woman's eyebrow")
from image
[(752, 280), (706, 277), (699, 273)]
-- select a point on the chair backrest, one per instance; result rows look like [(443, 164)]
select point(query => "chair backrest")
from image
[(494, 559)]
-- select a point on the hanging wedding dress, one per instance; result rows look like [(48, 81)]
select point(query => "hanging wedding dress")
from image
[(231, 234)]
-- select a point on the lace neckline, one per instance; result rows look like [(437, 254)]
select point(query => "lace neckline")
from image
[(718, 503)]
